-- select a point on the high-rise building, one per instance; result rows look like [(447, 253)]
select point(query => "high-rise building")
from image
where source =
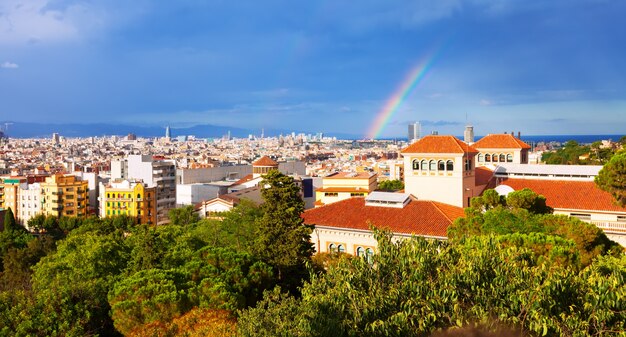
[(56, 138), (168, 133), (64, 195), (132, 198), (468, 134), (415, 132)]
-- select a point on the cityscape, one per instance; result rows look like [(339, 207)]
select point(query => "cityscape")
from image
[(401, 168)]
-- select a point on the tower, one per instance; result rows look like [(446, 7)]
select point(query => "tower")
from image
[(415, 132), (168, 133), (468, 135)]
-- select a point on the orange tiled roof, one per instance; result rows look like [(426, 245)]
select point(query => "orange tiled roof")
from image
[(265, 161), (500, 141), (350, 175), (563, 194), (483, 175), (244, 179), (439, 144), (419, 217)]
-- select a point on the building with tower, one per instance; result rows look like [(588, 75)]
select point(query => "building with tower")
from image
[(440, 168), (468, 134)]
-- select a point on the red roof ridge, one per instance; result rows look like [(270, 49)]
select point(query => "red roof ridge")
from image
[(265, 161), (438, 207), (439, 144)]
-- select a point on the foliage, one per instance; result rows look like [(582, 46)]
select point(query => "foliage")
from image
[(197, 322), (183, 216), (590, 241), (149, 295), (391, 185), (282, 240), (528, 200), (569, 154), (416, 287), (612, 178), (9, 221)]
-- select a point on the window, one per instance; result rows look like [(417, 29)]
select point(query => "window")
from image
[(341, 249), (488, 158), (416, 164), (360, 252), (354, 194), (441, 166), (432, 165), (468, 164), (509, 158), (621, 218), (581, 216), (449, 165), (481, 158), (494, 158), (108, 195), (502, 158), (138, 196), (424, 165), (332, 248), (369, 255), (331, 194)]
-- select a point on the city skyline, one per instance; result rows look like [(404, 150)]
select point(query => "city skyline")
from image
[(542, 68)]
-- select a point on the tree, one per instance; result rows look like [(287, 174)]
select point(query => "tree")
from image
[(283, 241), (391, 185), (528, 200), (9, 221), (183, 216), (612, 178)]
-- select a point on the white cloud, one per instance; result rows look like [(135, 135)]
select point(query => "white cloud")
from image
[(9, 65)]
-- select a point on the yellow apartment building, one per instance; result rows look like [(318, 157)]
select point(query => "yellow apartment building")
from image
[(132, 198), (64, 195)]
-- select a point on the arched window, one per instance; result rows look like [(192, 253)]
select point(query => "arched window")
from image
[(509, 158), (449, 165), (416, 164), (432, 165), (441, 165), (360, 252), (488, 158), (424, 165), (341, 249), (108, 195), (369, 255), (332, 248), (494, 158), (138, 196), (481, 157), (502, 157)]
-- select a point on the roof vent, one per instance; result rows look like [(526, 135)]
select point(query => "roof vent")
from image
[(387, 199)]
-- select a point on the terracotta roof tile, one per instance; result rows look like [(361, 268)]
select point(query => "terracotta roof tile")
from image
[(500, 141), (563, 194), (483, 175), (265, 161), (342, 189), (439, 144), (350, 175), (419, 217), (244, 179)]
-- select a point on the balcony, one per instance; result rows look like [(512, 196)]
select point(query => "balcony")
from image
[(58, 208), (57, 193), (611, 226)]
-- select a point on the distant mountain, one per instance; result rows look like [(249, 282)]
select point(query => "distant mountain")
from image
[(41, 130)]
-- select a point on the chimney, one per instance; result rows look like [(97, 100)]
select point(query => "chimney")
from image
[(519, 135), (505, 133)]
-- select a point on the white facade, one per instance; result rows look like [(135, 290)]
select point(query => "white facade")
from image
[(191, 194), (451, 184), (30, 203)]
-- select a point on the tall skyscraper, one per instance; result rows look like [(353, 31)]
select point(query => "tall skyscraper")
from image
[(468, 135), (168, 133), (415, 132)]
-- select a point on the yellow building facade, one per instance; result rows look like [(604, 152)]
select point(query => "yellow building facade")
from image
[(343, 185), (64, 195), (129, 198)]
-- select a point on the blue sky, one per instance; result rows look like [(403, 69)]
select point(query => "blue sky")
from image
[(541, 67)]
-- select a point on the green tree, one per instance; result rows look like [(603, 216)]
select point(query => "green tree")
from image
[(391, 185), (282, 240), (183, 216), (612, 178), (9, 221), (528, 200)]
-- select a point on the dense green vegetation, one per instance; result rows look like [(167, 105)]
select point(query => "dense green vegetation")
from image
[(391, 185), (573, 153), (509, 262), (612, 178)]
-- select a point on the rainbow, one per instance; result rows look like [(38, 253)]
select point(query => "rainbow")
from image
[(410, 82)]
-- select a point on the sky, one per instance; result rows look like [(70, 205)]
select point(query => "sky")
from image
[(539, 67)]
